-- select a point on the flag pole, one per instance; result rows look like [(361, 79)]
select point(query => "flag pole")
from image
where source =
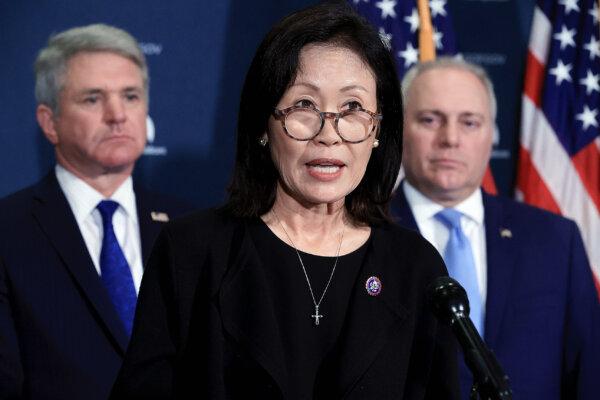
[(426, 43)]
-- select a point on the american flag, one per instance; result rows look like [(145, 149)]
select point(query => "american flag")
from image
[(559, 156), (398, 24)]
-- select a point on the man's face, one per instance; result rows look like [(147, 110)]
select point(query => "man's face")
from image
[(101, 123), (447, 134)]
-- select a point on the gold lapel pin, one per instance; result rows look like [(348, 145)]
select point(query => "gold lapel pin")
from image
[(505, 233), (159, 216)]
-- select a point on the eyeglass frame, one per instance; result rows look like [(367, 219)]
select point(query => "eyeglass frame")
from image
[(281, 115)]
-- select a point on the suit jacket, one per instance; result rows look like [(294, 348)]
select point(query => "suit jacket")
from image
[(205, 325), (542, 314), (60, 337)]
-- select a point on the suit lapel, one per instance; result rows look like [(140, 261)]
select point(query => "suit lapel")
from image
[(370, 320), (500, 265), (401, 210), (247, 309), (150, 220), (56, 219), (500, 256)]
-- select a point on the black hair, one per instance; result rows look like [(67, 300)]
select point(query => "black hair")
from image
[(273, 70)]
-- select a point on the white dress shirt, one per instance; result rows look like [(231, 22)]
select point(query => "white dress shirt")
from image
[(472, 224), (83, 200)]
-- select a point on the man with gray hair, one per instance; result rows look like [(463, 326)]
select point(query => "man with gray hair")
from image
[(525, 270), (72, 246)]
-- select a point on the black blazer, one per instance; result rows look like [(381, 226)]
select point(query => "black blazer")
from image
[(205, 323), (60, 337)]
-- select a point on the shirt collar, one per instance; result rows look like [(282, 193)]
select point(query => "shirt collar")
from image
[(471, 207), (420, 204), (83, 198)]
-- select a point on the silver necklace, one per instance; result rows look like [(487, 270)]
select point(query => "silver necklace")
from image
[(316, 303)]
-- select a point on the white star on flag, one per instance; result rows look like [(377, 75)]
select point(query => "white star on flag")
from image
[(437, 38), (562, 72), (570, 5), (387, 8), (594, 13), (386, 38), (593, 47), (437, 7), (410, 55), (559, 159), (565, 37), (591, 82), (400, 20), (413, 20), (587, 117)]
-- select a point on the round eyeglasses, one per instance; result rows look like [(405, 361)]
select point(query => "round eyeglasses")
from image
[(305, 123)]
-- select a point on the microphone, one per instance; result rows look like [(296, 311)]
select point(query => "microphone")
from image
[(448, 301)]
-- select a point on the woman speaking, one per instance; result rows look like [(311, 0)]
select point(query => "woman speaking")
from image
[(300, 286)]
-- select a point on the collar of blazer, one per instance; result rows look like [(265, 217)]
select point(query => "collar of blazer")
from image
[(370, 320), (501, 255), (56, 220), (501, 261)]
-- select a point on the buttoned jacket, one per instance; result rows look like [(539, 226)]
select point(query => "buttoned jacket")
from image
[(542, 317), (60, 336)]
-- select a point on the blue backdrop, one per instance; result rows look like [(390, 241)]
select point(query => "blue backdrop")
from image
[(198, 53)]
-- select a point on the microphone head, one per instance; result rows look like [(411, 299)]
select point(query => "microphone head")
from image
[(448, 299)]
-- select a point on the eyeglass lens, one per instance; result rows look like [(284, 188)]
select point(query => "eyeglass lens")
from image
[(305, 124)]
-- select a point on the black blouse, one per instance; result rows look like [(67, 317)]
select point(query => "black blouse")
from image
[(305, 343)]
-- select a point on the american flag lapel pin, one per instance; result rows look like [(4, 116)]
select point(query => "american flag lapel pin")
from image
[(159, 216), (505, 233)]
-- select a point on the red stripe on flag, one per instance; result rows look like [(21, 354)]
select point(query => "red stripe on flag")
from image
[(587, 164), (532, 185), (597, 284), (534, 79), (488, 183)]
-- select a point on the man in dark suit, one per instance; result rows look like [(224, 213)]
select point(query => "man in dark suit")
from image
[(72, 246), (529, 283)]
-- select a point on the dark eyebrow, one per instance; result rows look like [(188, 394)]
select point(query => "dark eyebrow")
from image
[(344, 89)]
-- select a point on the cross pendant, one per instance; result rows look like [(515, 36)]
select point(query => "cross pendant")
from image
[(316, 315)]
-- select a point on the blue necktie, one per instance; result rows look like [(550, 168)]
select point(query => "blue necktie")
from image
[(115, 269), (461, 265)]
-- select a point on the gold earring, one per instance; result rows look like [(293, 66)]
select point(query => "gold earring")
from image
[(375, 143), (263, 141)]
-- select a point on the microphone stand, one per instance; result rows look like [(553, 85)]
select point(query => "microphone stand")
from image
[(489, 381), (450, 303)]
